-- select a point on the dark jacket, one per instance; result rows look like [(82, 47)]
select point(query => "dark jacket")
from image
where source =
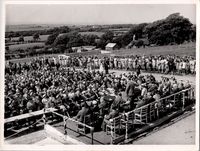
[(117, 103), (130, 88)]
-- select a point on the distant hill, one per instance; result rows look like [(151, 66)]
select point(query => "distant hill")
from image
[(14, 28)]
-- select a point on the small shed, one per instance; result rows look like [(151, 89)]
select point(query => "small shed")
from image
[(111, 46)]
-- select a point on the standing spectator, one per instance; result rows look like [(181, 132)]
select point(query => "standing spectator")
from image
[(131, 93)]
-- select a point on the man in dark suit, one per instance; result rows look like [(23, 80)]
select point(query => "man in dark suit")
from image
[(130, 92), (118, 102), (106, 65), (138, 70)]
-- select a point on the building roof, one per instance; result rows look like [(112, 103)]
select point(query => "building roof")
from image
[(84, 47), (111, 45), (89, 46)]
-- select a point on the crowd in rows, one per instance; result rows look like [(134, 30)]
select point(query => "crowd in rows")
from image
[(170, 64), (40, 83)]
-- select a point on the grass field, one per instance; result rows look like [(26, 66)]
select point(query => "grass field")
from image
[(184, 49), (44, 37), (25, 46), (99, 34), (29, 38), (27, 27)]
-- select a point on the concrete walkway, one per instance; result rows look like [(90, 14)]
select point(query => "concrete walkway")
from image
[(179, 133)]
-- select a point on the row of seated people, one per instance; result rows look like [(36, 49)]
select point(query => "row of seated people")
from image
[(109, 107), (102, 111)]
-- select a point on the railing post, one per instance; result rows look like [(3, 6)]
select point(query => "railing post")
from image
[(126, 124), (190, 94), (157, 112), (65, 125), (183, 100), (92, 135), (193, 94), (111, 135), (44, 117)]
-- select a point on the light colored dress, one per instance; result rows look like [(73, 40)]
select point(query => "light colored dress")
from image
[(101, 69)]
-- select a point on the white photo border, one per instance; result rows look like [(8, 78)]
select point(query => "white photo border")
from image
[(96, 147)]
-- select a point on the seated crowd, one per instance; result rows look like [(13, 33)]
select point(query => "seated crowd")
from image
[(43, 83)]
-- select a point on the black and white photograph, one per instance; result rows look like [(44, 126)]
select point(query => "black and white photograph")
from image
[(100, 74)]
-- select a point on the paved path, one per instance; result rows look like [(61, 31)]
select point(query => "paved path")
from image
[(48, 141), (179, 133), (29, 138)]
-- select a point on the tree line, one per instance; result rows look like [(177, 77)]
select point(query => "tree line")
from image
[(62, 29), (174, 29)]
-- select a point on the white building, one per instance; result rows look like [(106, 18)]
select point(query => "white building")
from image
[(111, 46)]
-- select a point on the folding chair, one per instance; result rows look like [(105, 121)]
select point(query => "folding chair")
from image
[(176, 102), (152, 111), (141, 115), (114, 126), (128, 122)]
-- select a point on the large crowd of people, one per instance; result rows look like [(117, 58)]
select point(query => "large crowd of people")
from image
[(170, 64), (44, 83)]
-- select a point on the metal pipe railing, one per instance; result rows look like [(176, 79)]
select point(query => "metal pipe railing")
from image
[(65, 118), (190, 92)]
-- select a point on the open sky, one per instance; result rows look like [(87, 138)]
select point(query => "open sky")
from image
[(94, 13)]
